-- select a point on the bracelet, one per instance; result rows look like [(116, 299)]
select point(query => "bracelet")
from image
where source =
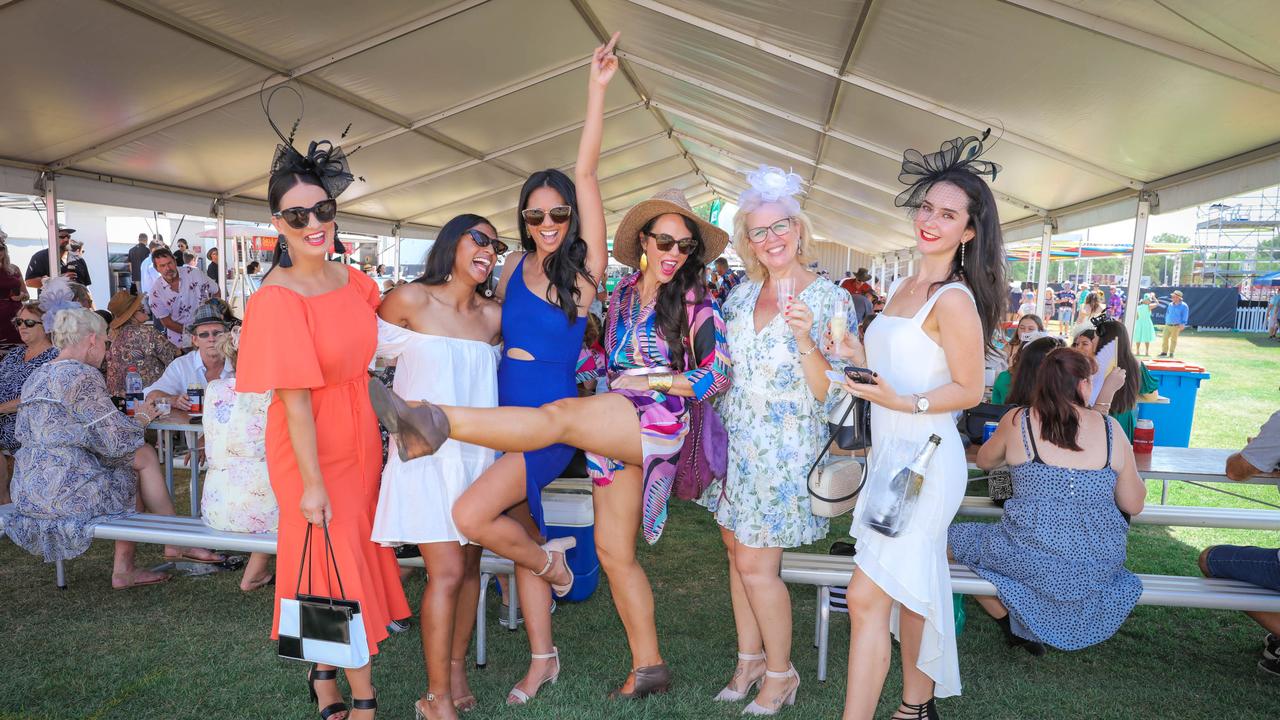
[(806, 353), (660, 383), (143, 415)]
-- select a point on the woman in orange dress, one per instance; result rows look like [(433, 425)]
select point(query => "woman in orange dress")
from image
[(309, 335)]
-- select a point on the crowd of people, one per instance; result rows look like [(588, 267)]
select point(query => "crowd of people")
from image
[(715, 388)]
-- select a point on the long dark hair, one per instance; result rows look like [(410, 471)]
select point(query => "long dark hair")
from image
[(674, 297), (1027, 371), (984, 258), (1057, 396), (568, 262), (1126, 398), (440, 259), (277, 186)]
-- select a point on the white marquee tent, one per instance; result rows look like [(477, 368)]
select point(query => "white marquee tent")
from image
[(1106, 109)]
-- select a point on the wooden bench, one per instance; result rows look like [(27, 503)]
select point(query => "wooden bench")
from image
[(192, 532), (828, 571)]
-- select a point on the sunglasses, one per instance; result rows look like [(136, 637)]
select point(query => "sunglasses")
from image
[(781, 229), (482, 240), (559, 214), (19, 322), (666, 242), (210, 334), (297, 217), (63, 237)]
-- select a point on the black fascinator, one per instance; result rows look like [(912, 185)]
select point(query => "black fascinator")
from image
[(323, 160), (920, 171)]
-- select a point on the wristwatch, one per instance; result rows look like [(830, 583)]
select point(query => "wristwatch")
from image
[(921, 404)]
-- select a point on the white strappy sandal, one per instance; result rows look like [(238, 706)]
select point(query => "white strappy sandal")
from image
[(728, 694), (788, 699), (520, 697)]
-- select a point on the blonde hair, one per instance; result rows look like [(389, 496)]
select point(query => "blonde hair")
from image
[(750, 202), (229, 345), (73, 325)]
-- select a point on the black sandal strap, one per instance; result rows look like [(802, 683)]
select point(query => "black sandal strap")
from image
[(921, 711), (324, 674), (331, 710), (363, 704)]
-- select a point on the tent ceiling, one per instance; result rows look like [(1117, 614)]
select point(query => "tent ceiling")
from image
[(452, 103)]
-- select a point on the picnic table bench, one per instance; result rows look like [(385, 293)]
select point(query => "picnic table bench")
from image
[(828, 571)]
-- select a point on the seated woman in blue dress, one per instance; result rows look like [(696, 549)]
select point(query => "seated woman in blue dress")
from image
[(1057, 555)]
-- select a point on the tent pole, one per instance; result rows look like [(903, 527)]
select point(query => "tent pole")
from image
[(1146, 199), (49, 185), (1046, 243), (223, 256), (395, 238)]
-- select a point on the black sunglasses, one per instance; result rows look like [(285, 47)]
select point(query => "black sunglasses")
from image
[(19, 322), (559, 214), (210, 334), (666, 242), (297, 217), (482, 240)]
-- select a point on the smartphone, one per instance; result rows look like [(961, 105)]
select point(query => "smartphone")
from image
[(859, 375)]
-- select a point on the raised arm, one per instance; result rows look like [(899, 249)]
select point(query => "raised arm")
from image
[(592, 227)]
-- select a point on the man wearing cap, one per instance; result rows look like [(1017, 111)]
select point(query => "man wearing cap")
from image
[(1175, 319), (138, 254), (175, 297), (76, 270), (210, 321)]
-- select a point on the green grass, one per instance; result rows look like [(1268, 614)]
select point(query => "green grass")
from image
[(198, 648)]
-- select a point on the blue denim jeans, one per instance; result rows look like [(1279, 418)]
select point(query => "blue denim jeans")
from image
[(1254, 565)]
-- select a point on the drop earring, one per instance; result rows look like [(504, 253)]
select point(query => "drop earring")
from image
[(644, 262), (285, 260), (962, 254)]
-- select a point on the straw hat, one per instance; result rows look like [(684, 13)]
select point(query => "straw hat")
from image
[(122, 306), (626, 242), (1177, 293)]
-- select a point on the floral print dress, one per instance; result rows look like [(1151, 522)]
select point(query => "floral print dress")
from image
[(776, 427), (75, 467), (14, 371), (237, 491), (634, 343)]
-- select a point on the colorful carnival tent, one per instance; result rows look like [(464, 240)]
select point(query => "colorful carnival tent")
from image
[(1104, 110)]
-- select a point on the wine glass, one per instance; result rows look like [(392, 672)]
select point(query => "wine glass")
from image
[(785, 288)]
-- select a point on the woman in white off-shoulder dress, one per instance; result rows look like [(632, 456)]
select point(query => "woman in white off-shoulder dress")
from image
[(443, 331), (927, 349)]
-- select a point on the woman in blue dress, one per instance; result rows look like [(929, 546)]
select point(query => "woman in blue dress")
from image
[(545, 298), (1057, 555)]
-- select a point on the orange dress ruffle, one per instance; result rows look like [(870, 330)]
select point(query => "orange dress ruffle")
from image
[(325, 343)]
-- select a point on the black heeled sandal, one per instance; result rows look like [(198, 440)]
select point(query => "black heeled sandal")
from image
[(332, 709), (923, 711), (366, 703), (1036, 649)]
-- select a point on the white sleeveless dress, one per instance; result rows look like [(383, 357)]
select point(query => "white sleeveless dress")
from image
[(912, 568), (415, 500)]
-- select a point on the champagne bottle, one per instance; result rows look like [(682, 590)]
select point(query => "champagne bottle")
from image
[(891, 514)]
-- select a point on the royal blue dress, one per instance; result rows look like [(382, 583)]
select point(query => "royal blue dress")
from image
[(541, 329), (1057, 555)]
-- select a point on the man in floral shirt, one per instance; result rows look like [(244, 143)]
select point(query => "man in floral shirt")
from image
[(176, 295)]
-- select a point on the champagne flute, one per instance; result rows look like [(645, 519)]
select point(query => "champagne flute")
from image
[(785, 288), (838, 325)]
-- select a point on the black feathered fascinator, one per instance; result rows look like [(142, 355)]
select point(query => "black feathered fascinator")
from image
[(919, 171), (323, 161)]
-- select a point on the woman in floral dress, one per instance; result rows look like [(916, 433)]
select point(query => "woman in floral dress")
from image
[(237, 492), (776, 415)]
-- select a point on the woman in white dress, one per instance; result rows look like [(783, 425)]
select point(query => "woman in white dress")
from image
[(237, 494), (443, 331), (927, 350)]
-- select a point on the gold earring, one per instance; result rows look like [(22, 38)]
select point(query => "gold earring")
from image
[(644, 262)]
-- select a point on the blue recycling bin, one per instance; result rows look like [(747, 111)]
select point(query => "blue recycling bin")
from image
[(1173, 420)]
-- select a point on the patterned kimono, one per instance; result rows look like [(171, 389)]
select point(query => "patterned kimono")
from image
[(634, 345)]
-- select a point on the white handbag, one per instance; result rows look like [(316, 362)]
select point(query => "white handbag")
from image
[(834, 486), (320, 628)]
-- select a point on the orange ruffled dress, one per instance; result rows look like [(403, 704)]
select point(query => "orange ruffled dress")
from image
[(325, 343)]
